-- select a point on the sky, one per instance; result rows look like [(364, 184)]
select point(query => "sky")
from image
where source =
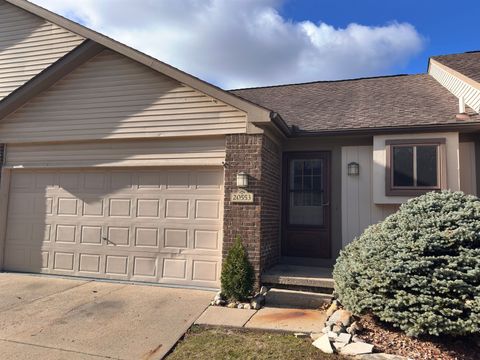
[(246, 43)]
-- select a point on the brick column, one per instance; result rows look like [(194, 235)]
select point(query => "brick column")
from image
[(257, 224)]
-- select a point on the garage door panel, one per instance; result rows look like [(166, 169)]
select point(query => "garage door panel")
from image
[(162, 225)]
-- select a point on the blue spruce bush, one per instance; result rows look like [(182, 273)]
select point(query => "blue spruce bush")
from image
[(419, 269)]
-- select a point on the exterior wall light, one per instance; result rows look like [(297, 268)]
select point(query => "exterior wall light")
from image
[(353, 169), (242, 180)]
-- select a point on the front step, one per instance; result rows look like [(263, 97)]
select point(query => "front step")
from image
[(296, 299), (299, 278)]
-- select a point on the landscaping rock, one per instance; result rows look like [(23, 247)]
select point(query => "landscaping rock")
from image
[(218, 296), (300, 335), (315, 336), (343, 338), (247, 306), (231, 305), (220, 302), (339, 345), (380, 356), (357, 349), (354, 328), (240, 306), (326, 329), (323, 343), (338, 328), (332, 308), (263, 290), (258, 301), (344, 316), (332, 335)]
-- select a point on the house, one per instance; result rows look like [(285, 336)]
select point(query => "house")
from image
[(119, 166)]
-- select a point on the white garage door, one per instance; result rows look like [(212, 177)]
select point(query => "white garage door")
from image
[(158, 226)]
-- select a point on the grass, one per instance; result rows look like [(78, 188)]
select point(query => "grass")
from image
[(219, 343)]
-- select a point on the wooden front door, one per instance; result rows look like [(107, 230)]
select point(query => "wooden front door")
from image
[(306, 210)]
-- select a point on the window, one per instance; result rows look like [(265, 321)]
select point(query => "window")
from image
[(414, 167)]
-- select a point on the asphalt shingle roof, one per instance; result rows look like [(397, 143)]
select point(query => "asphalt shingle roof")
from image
[(383, 102), (467, 64)]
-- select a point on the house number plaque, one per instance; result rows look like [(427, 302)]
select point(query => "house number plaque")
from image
[(241, 196)]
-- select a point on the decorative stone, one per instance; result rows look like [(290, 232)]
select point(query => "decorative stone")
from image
[(332, 335), (326, 329), (263, 290), (247, 306), (338, 328), (354, 328), (300, 335), (344, 316), (323, 343), (315, 336), (231, 305), (357, 348), (338, 345), (218, 296), (212, 303), (343, 338), (240, 306), (220, 302), (355, 338), (332, 308), (257, 302)]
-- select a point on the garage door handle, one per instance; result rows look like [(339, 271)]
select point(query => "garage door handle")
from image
[(108, 241)]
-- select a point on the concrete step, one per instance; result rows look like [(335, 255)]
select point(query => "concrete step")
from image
[(299, 277), (296, 299)]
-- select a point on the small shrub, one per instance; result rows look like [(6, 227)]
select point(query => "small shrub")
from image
[(237, 273), (419, 269)]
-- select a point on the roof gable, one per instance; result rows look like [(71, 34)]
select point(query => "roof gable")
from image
[(256, 113), (111, 97), (28, 45)]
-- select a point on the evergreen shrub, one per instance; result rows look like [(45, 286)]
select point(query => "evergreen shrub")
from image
[(419, 269), (237, 273)]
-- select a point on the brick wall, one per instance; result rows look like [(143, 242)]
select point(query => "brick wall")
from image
[(258, 224)]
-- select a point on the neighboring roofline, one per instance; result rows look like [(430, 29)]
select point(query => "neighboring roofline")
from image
[(256, 112), (465, 127), (457, 74), (49, 76), (324, 81)]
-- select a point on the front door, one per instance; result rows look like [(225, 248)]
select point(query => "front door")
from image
[(306, 231)]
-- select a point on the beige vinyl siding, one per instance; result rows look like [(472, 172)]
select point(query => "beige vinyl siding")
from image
[(358, 209), (112, 97), (457, 84), (28, 45), (164, 152), (468, 179)]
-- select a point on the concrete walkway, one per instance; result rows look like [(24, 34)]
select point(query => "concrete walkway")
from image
[(56, 318), (276, 319)]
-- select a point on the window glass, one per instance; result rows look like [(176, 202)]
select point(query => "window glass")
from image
[(427, 163), (403, 166)]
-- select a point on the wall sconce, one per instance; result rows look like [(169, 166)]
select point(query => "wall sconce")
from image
[(353, 169), (242, 180)]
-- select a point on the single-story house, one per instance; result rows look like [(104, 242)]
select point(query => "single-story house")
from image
[(119, 166)]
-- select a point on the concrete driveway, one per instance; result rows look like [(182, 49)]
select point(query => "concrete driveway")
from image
[(56, 318)]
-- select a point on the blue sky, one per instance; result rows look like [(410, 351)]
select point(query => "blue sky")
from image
[(243, 43), (448, 26)]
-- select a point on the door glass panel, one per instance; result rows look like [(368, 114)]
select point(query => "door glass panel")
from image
[(403, 166), (307, 192), (427, 171)]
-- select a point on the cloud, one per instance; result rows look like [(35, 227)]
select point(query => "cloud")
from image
[(240, 43)]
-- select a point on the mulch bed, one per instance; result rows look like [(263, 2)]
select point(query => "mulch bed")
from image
[(390, 340)]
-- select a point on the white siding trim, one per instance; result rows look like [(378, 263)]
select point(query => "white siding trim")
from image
[(456, 85)]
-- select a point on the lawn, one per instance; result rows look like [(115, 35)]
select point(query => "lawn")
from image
[(218, 343)]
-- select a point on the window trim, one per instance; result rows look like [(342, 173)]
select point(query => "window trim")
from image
[(391, 190)]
